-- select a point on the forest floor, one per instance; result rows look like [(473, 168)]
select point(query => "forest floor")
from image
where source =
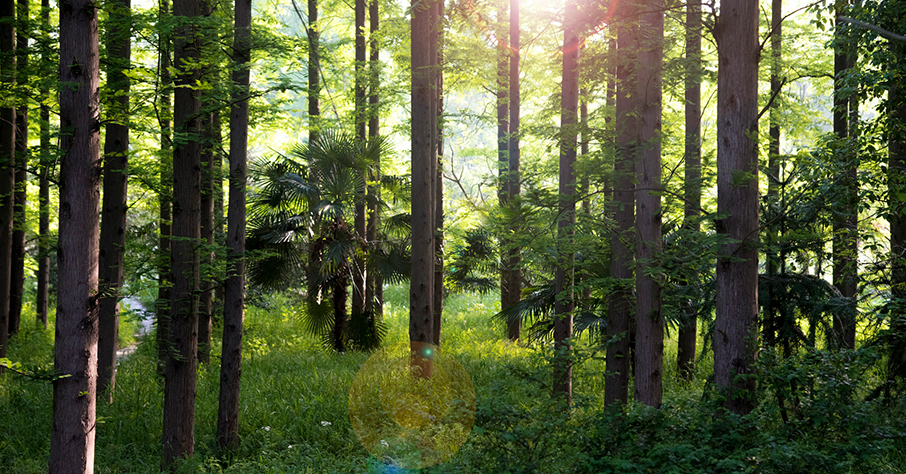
[(294, 414)]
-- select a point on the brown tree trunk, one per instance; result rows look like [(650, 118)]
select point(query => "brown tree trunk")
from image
[(113, 210), (76, 336), (46, 168), (620, 304), (360, 270), (563, 282), (846, 220), (439, 186), (649, 351), (165, 194), (512, 281), (503, 152), (8, 168), (692, 182), (314, 130), (181, 369), (17, 276), (735, 340), (234, 288), (773, 263), (373, 282), (424, 172)]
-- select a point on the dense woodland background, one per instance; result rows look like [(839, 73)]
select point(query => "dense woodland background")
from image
[(659, 236)]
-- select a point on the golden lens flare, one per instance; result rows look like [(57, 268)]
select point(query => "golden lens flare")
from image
[(408, 420)]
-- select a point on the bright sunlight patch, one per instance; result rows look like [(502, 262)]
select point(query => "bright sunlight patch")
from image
[(408, 421)]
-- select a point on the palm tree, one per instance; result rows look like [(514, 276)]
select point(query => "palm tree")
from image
[(302, 205)]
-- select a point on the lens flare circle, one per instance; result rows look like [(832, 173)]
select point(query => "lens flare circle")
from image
[(408, 421)]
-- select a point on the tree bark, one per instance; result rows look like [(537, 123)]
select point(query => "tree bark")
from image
[(424, 172), (373, 282), (165, 193), (649, 351), (76, 335), (503, 152), (563, 282), (773, 263), (113, 223), (439, 185), (181, 370), (735, 340), (360, 270), (692, 178), (46, 168), (512, 281), (846, 220), (234, 288), (620, 304), (7, 166), (17, 276)]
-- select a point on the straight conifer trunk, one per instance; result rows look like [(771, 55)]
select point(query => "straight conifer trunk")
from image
[(17, 276), (360, 271), (43, 292), (76, 335), (773, 260), (424, 172), (181, 366), (373, 282), (846, 220), (439, 184), (503, 153), (564, 278), (113, 223), (234, 290), (620, 304), (165, 194), (735, 339), (649, 351), (512, 281), (692, 174), (7, 165)]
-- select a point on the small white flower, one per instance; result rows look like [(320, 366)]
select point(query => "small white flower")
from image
[(290, 447), (385, 444), (326, 423), (267, 428)]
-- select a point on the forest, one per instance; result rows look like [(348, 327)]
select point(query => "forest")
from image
[(479, 236)]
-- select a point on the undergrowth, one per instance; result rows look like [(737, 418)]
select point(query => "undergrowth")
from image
[(294, 409)]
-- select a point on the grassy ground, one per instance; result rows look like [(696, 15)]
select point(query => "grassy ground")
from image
[(294, 411)]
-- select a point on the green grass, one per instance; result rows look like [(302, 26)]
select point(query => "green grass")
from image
[(294, 411)]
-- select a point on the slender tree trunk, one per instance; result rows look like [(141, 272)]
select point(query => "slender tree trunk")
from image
[(513, 279), (373, 282), (439, 185), (46, 168), (181, 370), (165, 195), (340, 296), (17, 276), (314, 127), (649, 352), (113, 223), (503, 152), (7, 165), (360, 270), (563, 283), (735, 339), (896, 183), (692, 182), (76, 335), (620, 304), (772, 263), (234, 288), (424, 172), (846, 220)]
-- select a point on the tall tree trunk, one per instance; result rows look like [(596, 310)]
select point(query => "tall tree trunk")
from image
[(8, 162), (314, 127), (360, 270), (210, 146), (76, 335), (846, 220), (439, 184), (165, 193), (896, 183), (43, 293), (17, 276), (374, 291), (503, 159), (649, 353), (563, 283), (692, 182), (234, 288), (113, 223), (512, 280), (620, 304), (181, 370), (735, 340), (772, 264), (424, 172)]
